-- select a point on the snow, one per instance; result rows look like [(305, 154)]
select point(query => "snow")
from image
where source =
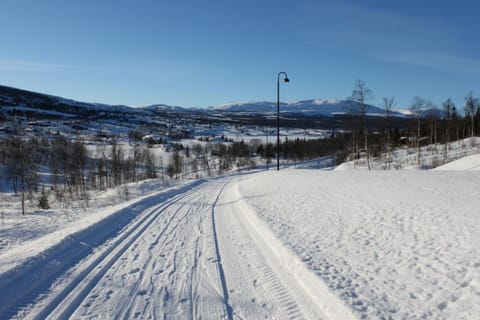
[(276, 273), (324, 107), (29, 109), (295, 243), (26, 237), (325, 101), (469, 163), (430, 156), (392, 244)]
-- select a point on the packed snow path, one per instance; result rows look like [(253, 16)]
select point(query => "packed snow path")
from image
[(201, 253), (389, 244)]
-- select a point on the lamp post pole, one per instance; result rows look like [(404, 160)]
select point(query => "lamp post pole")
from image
[(278, 114)]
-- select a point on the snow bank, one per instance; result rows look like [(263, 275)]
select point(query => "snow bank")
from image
[(469, 163), (392, 244)]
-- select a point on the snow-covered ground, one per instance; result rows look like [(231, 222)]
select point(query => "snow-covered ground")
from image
[(430, 156), (22, 237), (291, 244), (468, 163), (392, 244)]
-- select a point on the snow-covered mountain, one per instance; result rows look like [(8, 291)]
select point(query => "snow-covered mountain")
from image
[(18, 104), (32, 102), (427, 113), (313, 107), (165, 108)]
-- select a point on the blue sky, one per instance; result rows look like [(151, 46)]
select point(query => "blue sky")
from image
[(203, 53)]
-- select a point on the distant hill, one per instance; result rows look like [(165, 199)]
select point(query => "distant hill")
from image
[(164, 107), (17, 101), (314, 107), (314, 113), (427, 113), (22, 101)]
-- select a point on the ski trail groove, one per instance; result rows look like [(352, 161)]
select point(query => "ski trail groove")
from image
[(87, 278), (200, 253), (228, 308), (182, 279), (148, 266), (273, 282), (19, 291)]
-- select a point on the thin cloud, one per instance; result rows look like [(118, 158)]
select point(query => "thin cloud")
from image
[(381, 29), (363, 30), (437, 60), (30, 66)]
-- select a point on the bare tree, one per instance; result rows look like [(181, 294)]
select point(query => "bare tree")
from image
[(205, 159), (78, 165), (417, 108), (102, 168), (149, 164), (176, 164), (361, 94), (448, 107), (137, 158), (388, 104), (471, 104), (21, 165), (116, 163), (59, 161), (455, 120)]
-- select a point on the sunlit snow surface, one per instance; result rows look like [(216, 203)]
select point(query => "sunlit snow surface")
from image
[(469, 163), (400, 244), (396, 244)]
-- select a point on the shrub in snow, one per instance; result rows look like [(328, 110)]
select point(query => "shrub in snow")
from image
[(43, 200)]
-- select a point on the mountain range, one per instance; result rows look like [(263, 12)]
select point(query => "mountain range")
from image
[(313, 107), (13, 100)]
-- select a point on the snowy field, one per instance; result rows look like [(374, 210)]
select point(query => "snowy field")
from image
[(294, 244), (392, 244)]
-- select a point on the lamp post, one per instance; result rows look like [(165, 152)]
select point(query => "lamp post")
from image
[(285, 79)]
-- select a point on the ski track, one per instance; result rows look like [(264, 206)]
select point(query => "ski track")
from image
[(201, 253), (22, 286), (272, 282), (159, 266)]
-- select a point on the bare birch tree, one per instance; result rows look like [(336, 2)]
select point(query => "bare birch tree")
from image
[(21, 165), (471, 104), (417, 107), (361, 94), (448, 107), (388, 104)]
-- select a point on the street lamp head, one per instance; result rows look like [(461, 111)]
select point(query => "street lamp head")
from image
[(285, 77)]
